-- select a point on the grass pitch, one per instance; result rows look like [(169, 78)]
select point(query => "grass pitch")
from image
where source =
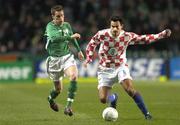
[(26, 104)]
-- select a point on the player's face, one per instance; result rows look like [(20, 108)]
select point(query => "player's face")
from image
[(58, 17), (116, 27)]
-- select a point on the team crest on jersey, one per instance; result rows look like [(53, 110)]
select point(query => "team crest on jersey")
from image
[(112, 51), (66, 32)]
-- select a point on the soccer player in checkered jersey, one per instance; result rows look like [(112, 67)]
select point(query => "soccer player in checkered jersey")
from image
[(113, 63), (60, 60)]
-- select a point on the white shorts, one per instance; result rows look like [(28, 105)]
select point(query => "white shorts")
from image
[(109, 76), (57, 65)]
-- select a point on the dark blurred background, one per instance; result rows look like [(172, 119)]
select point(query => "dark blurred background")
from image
[(23, 22)]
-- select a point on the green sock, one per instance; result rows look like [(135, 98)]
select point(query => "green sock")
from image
[(53, 95), (71, 93)]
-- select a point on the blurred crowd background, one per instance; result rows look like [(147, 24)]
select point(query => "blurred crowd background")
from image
[(23, 22)]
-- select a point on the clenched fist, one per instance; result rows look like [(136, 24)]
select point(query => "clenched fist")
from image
[(76, 36), (167, 33)]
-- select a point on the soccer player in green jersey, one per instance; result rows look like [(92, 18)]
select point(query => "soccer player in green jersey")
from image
[(61, 61)]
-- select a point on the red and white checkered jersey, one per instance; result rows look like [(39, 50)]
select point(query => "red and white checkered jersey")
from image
[(112, 51)]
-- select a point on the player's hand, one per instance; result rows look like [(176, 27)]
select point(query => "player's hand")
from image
[(76, 36), (167, 33), (85, 64), (80, 56)]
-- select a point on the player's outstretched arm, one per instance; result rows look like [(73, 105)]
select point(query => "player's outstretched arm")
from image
[(149, 38)]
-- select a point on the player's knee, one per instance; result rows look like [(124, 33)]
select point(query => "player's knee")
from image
[(129, 88), (130, 92), (103, 100), (58, 89), (57, 85), (73, 77)]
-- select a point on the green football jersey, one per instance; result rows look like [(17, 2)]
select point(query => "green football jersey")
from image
[(58, 38)]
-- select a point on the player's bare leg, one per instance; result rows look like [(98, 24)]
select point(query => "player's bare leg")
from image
[(53, 94), (103, 93), (105, 97), (128, 87), (72, 73)]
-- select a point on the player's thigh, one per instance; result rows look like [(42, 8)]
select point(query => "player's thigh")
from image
[(128, 87), (54, 69), (123, 73), (53, 64), (106, 78), (127, 84), (56, 76), (71, 71), (70, 67)]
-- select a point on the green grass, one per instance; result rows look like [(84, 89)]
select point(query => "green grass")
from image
[(26, 104)]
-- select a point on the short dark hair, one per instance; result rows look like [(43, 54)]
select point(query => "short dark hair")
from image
[(56, 8), (116, 18)]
